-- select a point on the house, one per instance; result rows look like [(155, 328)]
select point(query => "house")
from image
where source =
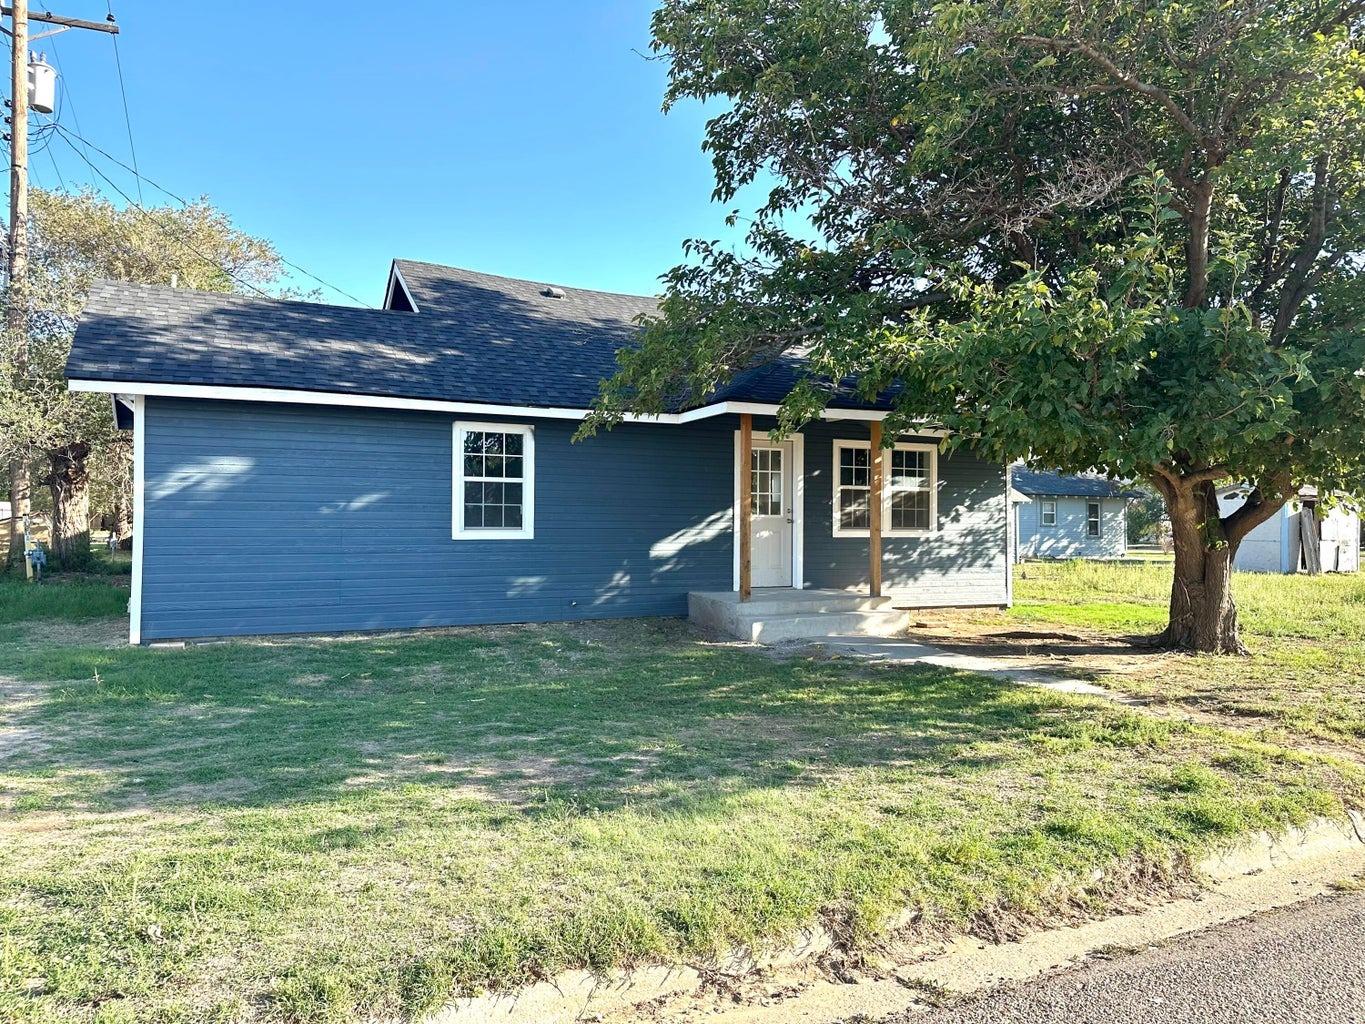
[(310, 468), (1302, 536), (1069, 516)]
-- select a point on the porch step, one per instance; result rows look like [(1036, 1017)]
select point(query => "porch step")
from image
[(773, 616)]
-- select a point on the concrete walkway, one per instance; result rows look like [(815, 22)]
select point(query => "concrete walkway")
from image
[(905, 651)]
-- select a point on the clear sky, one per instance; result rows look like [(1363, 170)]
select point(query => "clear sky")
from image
[(518, 138)]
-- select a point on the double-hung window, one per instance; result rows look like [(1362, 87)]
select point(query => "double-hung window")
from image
[(1092, 518), (494, 482), (909, 489), (1048, 511)]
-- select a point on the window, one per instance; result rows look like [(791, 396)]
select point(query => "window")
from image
[(852, 486), (1049, 513), (1092, 518), (494, 482), (909, 489), (766, 481)]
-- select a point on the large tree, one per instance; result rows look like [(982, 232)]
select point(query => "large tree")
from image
[(76, 238), (1123, 236)]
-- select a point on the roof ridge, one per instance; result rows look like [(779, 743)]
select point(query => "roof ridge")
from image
[(525, 280)]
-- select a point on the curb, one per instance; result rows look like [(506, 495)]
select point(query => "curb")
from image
[(1274, 870)]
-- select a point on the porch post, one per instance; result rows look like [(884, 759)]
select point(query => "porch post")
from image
[(874, 515), (746, 504)]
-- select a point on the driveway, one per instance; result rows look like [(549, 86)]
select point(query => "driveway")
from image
[(1305, 963)]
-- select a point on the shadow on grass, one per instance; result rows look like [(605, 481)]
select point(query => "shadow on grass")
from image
[(639, 712)]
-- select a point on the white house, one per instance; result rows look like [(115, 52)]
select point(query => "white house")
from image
[(1288, 541), (1064, 516)]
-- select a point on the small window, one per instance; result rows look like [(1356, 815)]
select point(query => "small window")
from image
[(1092, 518), (765, 474), (909, 489), (494, 481), (1049, 513)]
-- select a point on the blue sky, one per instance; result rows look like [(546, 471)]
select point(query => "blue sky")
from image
[(515, 138)]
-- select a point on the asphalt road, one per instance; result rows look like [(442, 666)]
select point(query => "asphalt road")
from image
[(1303, 963)]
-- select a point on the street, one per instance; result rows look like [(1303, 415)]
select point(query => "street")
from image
[(1303, 963)]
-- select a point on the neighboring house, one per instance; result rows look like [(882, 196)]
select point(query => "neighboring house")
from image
[(1069, 516), (309, 468), (4, 510), (1301, 537)]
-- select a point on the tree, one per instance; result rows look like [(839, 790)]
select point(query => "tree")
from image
[(1125, 236), (76, 238), (1146, 513)]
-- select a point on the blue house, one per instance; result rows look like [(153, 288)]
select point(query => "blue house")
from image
[(1069, 516), (310, 468)]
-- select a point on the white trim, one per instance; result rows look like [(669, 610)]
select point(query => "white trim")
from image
[(887, 531), (798, 443), (215, 392), (397, 275), (139, 490), (1099, 518), (1043, 503), (527, 530)]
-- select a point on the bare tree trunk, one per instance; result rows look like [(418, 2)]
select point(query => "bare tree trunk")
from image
[(1203, 615), (69, 482)]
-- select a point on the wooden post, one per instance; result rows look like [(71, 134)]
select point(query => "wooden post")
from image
[(874, 515), (746, 504)]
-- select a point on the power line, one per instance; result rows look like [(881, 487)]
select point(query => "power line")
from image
[(127, 121), (162, 227), (185, 202)]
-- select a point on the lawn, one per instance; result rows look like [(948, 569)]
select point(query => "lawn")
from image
[(1306, 675), (333, 830)]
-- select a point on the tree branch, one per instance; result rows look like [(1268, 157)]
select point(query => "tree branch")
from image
[(1128, 81)]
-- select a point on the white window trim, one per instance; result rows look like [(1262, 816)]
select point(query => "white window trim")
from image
[(1099, 520), (905, 446), (528, 483), (1042, 512)]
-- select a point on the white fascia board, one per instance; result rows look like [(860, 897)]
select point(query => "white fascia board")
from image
[(214, 392)]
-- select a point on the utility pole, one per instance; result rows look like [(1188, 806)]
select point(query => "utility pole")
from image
[(16, 307)]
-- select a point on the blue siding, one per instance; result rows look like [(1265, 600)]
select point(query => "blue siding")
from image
[(1068, 539), (294, 519), (965, 562), (281, 519)]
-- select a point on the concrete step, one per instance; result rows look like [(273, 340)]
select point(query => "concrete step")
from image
[(810, 604), (795, 614), (775, 628)]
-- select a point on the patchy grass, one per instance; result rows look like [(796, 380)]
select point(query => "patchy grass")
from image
[(1306, 674), (322, 830)]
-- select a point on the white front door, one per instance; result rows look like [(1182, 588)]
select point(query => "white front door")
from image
[(770, 487)]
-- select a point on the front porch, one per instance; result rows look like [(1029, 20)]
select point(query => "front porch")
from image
[(774, 614)]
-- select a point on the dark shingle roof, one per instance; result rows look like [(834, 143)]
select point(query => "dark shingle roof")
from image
[(474, 338), (1042, 483)]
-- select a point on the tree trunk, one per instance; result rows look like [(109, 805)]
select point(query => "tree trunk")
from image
[(1203, 616), (69, 483), (121, 522)]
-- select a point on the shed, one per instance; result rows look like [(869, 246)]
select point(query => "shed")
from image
[(1303, 536)]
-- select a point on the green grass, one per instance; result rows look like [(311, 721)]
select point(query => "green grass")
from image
[(334, 830), (1306, 674), (57, 599)]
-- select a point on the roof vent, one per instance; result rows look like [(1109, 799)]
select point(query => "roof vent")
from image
[(552, 292)]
